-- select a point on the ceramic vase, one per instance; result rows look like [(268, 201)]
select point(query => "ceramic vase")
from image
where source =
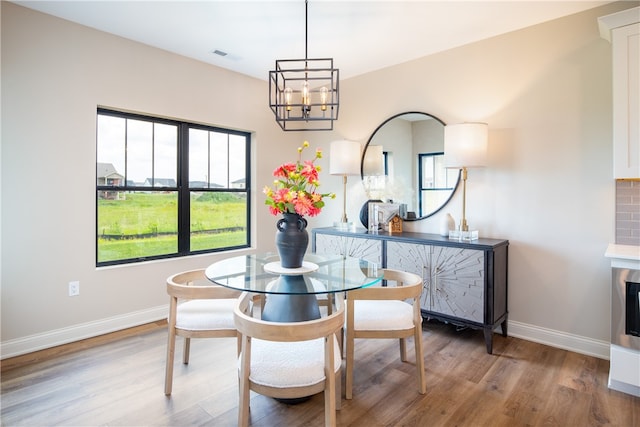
[(292, 240), (447, 223)]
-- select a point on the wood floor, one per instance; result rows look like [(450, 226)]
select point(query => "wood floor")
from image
[(117, 380)]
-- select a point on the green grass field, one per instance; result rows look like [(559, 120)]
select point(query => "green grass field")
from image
[(154, 215)]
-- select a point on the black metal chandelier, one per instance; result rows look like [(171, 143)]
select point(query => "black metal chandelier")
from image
[(304, 93)]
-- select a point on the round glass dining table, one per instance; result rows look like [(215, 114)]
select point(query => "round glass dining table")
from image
[(292, 292)]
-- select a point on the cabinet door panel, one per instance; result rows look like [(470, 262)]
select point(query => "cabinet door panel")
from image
[(368, 249), (412, 258), (458, 282), (626, 103)]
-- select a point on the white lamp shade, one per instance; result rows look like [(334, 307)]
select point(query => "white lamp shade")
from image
[(465, 145), (344, 158), (373, 163)]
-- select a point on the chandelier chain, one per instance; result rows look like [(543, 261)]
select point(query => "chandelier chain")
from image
[(306, 25), (315, 105)]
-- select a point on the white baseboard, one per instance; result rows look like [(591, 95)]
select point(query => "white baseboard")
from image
[(558, 339), (631, 389), (53, 338), (31, 343)]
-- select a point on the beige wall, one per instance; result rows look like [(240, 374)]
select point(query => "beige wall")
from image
[(54, 74), (545, 92)]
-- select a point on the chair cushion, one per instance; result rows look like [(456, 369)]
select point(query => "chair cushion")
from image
[(290, 364), (370, 315), (206, 314)]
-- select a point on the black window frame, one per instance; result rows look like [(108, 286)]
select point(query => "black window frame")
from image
[(182, 186)]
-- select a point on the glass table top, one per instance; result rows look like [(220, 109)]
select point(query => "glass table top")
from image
[(319, 274)]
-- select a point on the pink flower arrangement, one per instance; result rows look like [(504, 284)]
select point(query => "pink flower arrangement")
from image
[(295, 187)]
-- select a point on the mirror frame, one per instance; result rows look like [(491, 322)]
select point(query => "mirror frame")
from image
[(364, 152)]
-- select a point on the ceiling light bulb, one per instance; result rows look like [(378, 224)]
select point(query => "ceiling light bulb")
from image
[(288, 93), (306, 99), (324, 95)]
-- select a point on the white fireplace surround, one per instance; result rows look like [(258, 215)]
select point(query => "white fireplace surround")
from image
[(624, 370)]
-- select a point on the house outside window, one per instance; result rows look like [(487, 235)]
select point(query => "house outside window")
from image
[(108, 177), (168, 188)]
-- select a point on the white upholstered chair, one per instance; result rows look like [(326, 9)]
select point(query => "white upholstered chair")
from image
[(197, 309), (289, 360), (391, 311)]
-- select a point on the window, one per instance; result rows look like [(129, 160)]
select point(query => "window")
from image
[(436, 182), (168, 188)]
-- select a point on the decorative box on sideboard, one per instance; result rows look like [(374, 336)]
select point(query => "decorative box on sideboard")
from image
[(465, 282)]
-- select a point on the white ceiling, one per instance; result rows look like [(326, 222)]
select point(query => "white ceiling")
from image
[(360, 36)]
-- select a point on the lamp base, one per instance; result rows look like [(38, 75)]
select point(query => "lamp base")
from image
[(463, 235), (341, 225)]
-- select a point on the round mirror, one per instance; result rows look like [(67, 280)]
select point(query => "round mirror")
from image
[(403, 164)]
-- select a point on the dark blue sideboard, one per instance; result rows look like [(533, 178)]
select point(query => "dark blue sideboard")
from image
[(465, 282)]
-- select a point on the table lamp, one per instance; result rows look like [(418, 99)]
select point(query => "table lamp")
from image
[(465, 146), (344, 159)]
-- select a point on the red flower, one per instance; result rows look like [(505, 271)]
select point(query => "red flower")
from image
[(310, 171), (284, 170), (295, 187)]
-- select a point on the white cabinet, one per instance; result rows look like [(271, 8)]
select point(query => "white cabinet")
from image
[(624, 371), (465, 283), (622, 29)]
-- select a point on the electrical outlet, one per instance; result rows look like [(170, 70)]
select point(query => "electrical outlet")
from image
[(74, 288)]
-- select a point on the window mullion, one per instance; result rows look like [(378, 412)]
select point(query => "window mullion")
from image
[(208, 160), (126, 151), (153, 154), (184, 196)]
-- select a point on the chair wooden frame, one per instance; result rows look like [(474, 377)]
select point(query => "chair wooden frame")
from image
[(408, 287), (181, 286), (326, 327)]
